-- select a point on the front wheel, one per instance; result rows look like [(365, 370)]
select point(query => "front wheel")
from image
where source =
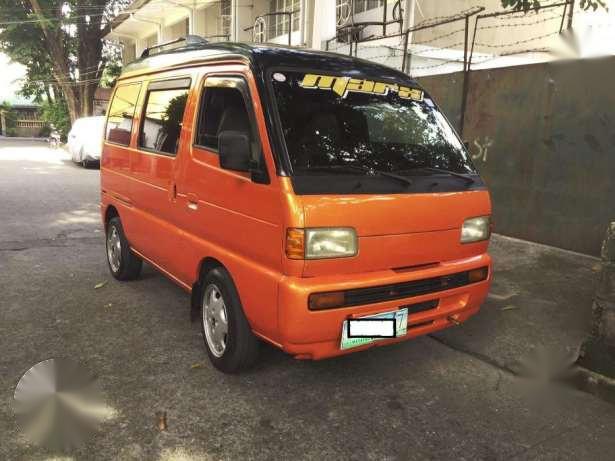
[(229, 341), (85, 163), (123, 263)]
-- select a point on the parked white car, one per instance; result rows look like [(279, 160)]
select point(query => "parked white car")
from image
[(85, 140)]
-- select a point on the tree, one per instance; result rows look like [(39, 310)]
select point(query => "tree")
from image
[(61, 44), (10, 121), (527, 5)]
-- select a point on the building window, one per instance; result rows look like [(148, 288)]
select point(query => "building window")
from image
[(360, 6), (162, 120), (224, 19), (279, 23), (259, 33), (342, 11), (343, 8), (122, 113)]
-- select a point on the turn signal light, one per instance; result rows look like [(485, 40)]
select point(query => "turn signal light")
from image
[(295, 243), (319, 301), (478, 275)]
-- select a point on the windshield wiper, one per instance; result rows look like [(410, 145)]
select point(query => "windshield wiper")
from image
[(368, 170), (466, 178)]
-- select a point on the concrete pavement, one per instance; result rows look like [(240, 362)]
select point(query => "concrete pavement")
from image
[(455, 395)]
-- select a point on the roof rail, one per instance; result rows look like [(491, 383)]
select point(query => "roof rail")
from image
[(188, 39)]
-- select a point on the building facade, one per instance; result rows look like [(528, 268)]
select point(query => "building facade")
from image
[(421, 37), (21, 120)]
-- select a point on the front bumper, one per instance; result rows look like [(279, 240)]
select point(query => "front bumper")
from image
[(316, 334), (91, 157)]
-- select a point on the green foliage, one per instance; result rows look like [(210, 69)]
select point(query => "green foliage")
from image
[(10, 118), (111, 73), (528, 5), (77, 27), (55, 114)]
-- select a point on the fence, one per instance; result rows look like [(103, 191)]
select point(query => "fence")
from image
[(437, 45), (542, 137)]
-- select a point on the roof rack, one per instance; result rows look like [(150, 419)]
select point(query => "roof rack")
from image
[(189, 40)]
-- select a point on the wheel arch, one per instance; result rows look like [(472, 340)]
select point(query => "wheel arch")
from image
[(110, 212), (208, 263)]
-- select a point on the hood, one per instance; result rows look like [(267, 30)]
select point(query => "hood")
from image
[(397, 231)]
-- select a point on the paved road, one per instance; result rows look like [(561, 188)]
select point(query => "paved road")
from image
[(452, 396)]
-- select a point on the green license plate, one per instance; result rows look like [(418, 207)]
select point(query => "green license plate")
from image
[(401, 323)]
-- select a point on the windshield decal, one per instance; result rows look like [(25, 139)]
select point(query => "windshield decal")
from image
[(344, 85)]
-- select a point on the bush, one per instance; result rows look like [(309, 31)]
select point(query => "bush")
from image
[(56, 115), (9, 118)]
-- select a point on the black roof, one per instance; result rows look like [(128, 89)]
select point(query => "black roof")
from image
[(263, 57)]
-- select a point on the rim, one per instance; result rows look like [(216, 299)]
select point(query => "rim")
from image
[(215, 320), (114, 249)]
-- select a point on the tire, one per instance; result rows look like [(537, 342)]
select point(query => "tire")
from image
[(84, 161), (235, 349), (123, 263)]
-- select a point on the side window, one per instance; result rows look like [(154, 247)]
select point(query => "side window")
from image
[(163, 116), (122, 113), (222, 109)]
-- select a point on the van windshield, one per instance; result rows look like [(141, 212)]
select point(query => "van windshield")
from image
[(345, 125)]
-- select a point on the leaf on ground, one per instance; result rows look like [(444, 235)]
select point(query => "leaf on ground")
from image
[(162, 421), (510, 308), (100, 285), (196, 365)]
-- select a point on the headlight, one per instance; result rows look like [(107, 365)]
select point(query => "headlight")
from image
[(475, 229), (321, 243)]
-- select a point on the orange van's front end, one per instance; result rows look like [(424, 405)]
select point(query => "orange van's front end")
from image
[(409, 258), (388, 221)]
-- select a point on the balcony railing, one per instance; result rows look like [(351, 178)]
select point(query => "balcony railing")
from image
[(266, 26)]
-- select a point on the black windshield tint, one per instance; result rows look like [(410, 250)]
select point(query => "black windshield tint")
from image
[(385, 132)]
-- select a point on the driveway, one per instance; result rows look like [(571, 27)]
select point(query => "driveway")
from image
[(455, 395)]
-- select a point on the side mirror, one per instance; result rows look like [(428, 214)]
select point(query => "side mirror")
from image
[(234, 151), (466, 144)]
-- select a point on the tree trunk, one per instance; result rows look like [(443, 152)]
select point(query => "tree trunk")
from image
[(72, 101), (87, 99), (59, 56), (89, 54), (48, 93), (79, 95)]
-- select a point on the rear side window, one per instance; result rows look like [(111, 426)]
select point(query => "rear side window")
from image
[(122, 113), (222, 109), (162, 121)]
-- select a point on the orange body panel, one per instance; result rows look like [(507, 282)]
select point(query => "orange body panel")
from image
[(179, 211)]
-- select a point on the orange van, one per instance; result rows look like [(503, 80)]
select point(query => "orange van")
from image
[(315, 201)]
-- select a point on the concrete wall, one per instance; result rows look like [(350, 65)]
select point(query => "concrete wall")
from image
[(543, 138)]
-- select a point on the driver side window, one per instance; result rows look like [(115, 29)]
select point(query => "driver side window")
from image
[(222, 109)]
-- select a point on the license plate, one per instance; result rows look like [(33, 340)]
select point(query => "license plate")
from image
[(365, 330)]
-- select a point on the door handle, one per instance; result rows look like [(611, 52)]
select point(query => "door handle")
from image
[(193, 201)]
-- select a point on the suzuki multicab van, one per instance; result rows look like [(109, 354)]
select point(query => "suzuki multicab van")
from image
[(318, 202)]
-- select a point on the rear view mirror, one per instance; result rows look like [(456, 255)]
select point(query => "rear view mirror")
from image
[(234, 150)]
